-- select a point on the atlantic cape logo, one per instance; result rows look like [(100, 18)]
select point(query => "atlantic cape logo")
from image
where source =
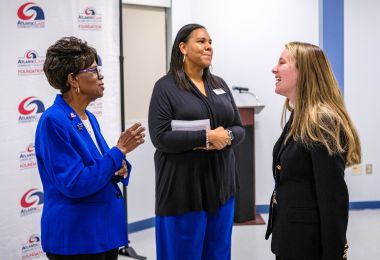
[(89, 19), (89, 11), (30, 63), (32, 248), (28, 158), (30, 109), (30, 15), (31, 202)]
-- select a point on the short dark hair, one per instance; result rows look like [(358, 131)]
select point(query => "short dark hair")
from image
[(67, 55), (176, 61)]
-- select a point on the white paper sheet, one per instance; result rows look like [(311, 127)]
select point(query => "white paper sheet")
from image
[(190, 125)]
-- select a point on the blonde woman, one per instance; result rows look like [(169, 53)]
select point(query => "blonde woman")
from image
[(309, 205)]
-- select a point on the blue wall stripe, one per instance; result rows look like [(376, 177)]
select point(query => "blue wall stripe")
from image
[(361, 205), (355, 205), (332, 35), (140, 225), (262, 209)]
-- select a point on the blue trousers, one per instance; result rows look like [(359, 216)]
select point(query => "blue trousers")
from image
[(196, 235)]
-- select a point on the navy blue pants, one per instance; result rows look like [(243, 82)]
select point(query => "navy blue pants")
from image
[(196, 235)]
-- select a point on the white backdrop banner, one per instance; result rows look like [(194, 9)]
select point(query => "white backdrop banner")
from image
[(28, 29)]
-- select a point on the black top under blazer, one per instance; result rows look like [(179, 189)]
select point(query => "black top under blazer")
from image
[(308, 213), (188, 179)]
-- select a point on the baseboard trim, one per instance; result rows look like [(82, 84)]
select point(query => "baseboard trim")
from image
[(261, 209), (361, 205), (354, 205), (141, 225)]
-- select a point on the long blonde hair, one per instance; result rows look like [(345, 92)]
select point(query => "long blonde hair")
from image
[(319, 114)]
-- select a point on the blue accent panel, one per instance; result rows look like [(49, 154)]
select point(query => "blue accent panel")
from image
[(355, 205), (333, 36), (140, 225)]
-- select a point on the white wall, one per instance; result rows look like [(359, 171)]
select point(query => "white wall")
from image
[(362, 90), (248, 37)]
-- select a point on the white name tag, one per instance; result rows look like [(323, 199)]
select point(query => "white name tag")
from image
[(219, 91)]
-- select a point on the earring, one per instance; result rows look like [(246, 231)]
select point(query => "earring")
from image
[(184, 58), (77, 90), (291, 105)]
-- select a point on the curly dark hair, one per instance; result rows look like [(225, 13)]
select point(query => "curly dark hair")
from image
[(67, 55)]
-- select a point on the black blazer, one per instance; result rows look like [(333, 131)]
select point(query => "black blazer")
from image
[(309, 206)]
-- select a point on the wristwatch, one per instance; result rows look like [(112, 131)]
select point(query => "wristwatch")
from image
[(230, 135)]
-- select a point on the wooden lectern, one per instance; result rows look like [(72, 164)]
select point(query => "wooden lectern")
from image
[(245, 200)]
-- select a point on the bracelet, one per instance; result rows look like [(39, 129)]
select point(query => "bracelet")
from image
[(207, 141), (230, 136)]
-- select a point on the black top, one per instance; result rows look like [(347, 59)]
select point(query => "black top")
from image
[(308, 213), (188, 179)]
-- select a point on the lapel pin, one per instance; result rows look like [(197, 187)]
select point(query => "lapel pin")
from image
[(80, 126)]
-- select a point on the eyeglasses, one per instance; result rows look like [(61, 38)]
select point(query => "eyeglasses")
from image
[(97, 70)]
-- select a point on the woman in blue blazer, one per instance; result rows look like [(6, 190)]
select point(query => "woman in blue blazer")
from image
[(84, 213), (309, 205)]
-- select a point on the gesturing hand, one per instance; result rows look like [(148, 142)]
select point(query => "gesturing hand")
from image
[(131, 138)]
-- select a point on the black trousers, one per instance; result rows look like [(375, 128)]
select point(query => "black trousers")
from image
[(286, 258), (283, 258), (109, 255)]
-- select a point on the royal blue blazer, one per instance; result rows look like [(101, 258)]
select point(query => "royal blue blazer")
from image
[(83, 211)]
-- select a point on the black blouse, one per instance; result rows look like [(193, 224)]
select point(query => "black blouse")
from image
[(188, 179)]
